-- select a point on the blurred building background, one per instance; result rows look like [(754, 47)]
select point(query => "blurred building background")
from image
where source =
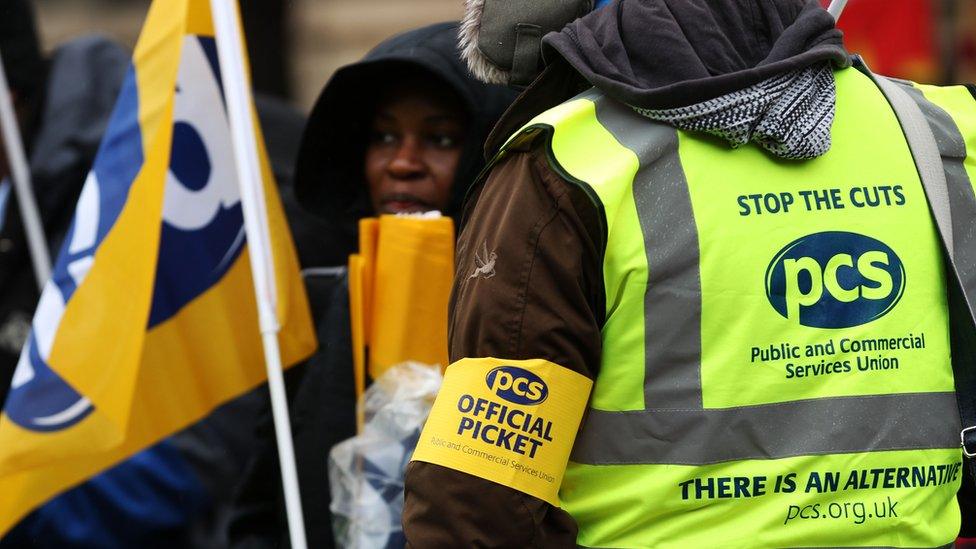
[(297, 44)]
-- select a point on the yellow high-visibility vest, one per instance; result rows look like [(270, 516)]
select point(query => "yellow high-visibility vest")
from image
[(776, 367)]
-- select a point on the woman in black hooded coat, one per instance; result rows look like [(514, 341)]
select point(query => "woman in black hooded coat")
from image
[(331, 192)]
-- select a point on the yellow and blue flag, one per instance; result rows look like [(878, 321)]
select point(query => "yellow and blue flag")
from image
[(149, 320)]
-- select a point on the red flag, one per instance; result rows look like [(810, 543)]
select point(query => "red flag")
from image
[(895, 38)]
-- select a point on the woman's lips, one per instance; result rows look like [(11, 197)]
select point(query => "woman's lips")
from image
[(403, 203), (403, 206)]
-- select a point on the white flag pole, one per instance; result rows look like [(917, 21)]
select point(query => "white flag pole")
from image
[(14, 147), (836, 8), (237, 93)]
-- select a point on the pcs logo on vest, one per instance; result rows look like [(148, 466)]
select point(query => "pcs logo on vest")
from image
[(517, 385), (835, 279)]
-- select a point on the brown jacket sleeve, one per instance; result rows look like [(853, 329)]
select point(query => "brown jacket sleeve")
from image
[(545, 300)]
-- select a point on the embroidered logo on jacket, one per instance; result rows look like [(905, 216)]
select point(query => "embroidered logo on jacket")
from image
[(484, 263)]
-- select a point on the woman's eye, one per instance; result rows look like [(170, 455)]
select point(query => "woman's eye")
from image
[(385, 138), (444, 141)]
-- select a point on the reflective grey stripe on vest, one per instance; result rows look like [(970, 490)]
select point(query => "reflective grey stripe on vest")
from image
[(962, 201), (770, 431), (672, 302), (674, 428)]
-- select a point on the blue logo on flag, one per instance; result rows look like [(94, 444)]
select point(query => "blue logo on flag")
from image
[(203, 223)]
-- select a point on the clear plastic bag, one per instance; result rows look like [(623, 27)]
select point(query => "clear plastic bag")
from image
[(366, 471)]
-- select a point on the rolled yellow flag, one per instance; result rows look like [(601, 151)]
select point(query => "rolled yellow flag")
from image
[(411, 283), (403, 275)]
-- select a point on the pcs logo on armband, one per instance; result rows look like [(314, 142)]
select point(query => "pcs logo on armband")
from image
[(517, 385)]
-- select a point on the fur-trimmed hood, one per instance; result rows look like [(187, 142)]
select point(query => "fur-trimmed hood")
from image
[(479, 64), (500, 39)]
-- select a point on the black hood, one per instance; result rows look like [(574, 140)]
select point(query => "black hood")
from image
[(661, 54), (329, 179)]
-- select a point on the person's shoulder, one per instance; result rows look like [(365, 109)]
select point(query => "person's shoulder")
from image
[(525, 173), (86, 71), (83, 82), (90, 52)]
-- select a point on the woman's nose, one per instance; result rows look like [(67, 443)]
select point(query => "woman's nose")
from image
[(408, 160)]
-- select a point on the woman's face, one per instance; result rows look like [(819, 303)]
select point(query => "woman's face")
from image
[(414, 149)]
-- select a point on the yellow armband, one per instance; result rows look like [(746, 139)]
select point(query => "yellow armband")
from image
[(508, 421)]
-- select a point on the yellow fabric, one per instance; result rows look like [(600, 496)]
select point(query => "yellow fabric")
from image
[(147, 384), (368, 236), (402, 278), (356, 313), (411, 288), (508, 421)]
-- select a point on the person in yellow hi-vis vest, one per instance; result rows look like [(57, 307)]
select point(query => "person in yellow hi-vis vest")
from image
[(399, 132), (726, 256)]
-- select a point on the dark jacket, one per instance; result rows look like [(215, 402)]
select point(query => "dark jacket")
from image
[(330, 187)]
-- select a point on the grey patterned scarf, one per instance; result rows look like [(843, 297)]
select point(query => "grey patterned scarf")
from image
[(789, 115)]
